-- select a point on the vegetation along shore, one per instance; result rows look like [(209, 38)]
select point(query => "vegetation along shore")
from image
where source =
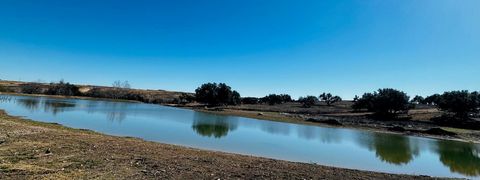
[(452, 115)]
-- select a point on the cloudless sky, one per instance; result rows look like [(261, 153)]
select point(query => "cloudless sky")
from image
[(302, 47)]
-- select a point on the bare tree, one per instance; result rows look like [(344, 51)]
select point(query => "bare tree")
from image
[(120, 89), (121, 85), (329, 99)]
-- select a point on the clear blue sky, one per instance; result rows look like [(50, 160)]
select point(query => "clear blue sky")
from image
[(257, 46)]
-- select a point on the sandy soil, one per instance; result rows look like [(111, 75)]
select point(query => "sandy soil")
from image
[(34, 150)]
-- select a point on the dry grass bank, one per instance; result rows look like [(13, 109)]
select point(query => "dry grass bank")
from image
[(34, 150)]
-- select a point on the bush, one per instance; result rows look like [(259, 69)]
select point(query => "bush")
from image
[(236, 99), (355, 99), (329, 98), (114, 93), (286, 98), (308, 101), (5, 89), (273, 99), (384, 102), (185, 98), (119, 90), (217, 94), (365, 102), (418, 100), (63, 89), (250, 100), (461, 103), (31, 88), (432, 100)]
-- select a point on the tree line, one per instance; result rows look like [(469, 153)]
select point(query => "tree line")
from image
[(383, 102), (118, 90), (61, 88)]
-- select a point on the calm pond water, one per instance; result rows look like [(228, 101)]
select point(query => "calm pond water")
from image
[(327, 146)]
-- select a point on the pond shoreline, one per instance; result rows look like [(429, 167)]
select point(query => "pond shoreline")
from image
[(45, 150), (463, 135), (364, 124)]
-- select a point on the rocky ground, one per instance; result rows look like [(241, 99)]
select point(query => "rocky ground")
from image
[(34, 150)]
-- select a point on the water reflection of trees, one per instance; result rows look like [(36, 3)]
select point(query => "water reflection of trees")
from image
[(460, 157), (209, 125), (393, 149), (274, 128), (326, 135), (51, 106), (114, 111), (31, 104), (5, 99), (117, 116), (56, 107)]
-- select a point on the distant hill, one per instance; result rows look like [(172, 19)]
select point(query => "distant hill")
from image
[(149, 96)]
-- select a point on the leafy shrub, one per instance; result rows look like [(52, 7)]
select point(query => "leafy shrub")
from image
[(418, 100), (185, 98), (113, 93), (364, 102), (3, 89), (461, 103), (63, 89), (432, 100), (217, 94), (308, 101), (250, 100), (273, 99), (31, 88), (236, 99), (384, 102), (329, 98)]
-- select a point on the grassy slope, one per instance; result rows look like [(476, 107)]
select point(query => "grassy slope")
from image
[(154, 94)]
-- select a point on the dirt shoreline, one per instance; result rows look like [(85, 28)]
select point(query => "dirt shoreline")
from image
[(36, 150)]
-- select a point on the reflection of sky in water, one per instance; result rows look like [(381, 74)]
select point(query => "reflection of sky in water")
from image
[(328, 146)]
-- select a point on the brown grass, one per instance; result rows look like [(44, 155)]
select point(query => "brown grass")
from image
[(34, 150)]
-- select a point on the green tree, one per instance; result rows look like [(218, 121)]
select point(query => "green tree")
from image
[(418, 100), (31, 88), (250, 100), (329, 99), (236, 99), (433, 99), (308, 101), (63, 89), (461, 103), (273, 99), (217, 94), (365, 102), (384, 102), (5, 89), (355, 99), (207, 93)]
